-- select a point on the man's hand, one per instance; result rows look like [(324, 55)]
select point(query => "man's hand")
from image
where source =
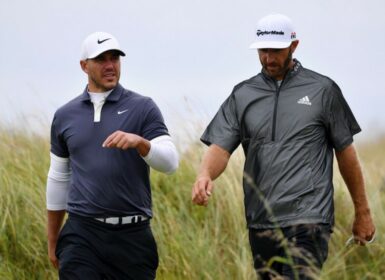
[(363, 228), (213, 164), (123, 140), (202, 190), (51, 254)]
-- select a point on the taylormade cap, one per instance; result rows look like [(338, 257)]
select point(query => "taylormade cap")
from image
[(97, 43), (274, 31)]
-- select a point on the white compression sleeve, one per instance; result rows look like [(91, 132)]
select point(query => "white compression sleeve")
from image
[(163, 155), (58, 183)]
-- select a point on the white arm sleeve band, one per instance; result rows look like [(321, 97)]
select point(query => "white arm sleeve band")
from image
[(163, 155), (58, 183)]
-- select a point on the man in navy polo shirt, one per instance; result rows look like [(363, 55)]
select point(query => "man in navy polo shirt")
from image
[(102, 145)]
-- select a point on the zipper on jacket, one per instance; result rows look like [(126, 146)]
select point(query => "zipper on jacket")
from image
[(277, 91), (275, 111)]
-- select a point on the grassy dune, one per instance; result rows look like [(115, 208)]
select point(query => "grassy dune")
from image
[(193, 242)]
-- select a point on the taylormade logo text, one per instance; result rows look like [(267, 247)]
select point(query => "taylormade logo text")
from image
[(272, 32)]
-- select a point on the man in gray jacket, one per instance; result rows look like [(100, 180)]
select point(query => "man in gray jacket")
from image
[(289, 120)]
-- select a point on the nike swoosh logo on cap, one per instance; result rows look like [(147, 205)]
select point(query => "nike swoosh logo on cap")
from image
[(101, 41)]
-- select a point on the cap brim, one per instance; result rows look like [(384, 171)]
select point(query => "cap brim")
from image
[(270, 45)]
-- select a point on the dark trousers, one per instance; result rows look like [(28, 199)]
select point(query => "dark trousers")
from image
[(296, 252), (89, 249)]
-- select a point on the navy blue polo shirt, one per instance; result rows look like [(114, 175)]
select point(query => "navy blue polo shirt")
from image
[(106, 181)]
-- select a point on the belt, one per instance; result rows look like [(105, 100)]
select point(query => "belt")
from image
[(123, 220)]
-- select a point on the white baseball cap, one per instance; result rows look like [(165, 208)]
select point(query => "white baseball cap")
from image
[(97, 43), (274, 31)]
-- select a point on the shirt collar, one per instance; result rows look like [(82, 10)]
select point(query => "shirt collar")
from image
[(114, 96)]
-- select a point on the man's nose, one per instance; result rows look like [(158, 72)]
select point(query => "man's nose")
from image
[(270, 55), (109, 63)]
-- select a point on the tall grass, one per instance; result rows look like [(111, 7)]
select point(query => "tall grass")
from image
[(193, 242), (23, 169)]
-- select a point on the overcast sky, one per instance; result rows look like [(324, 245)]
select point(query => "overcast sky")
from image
[(186, 55)]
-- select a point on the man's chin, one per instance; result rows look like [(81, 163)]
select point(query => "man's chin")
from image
[(110, 85)]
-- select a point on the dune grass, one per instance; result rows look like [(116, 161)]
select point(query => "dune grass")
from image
[(193, 242)]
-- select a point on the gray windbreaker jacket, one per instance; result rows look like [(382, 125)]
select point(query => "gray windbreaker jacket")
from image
[(288, 134)]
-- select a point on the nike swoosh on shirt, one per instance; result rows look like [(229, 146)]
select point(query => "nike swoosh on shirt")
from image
[(101, 41), (121, 112)]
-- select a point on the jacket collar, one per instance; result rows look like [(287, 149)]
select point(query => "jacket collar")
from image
[(290, 73)]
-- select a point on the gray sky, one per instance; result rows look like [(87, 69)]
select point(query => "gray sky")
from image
[(186, 55)]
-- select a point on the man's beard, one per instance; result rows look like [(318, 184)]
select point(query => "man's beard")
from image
[(283, 69)]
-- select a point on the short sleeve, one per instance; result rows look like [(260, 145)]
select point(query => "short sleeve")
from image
[(58, 145), (153, 123), (224, 129), (342, 124)]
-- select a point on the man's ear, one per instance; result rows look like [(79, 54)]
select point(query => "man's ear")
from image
[(83, 65), (294, 45)]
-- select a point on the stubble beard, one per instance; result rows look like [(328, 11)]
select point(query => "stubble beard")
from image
[(283, 70)]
